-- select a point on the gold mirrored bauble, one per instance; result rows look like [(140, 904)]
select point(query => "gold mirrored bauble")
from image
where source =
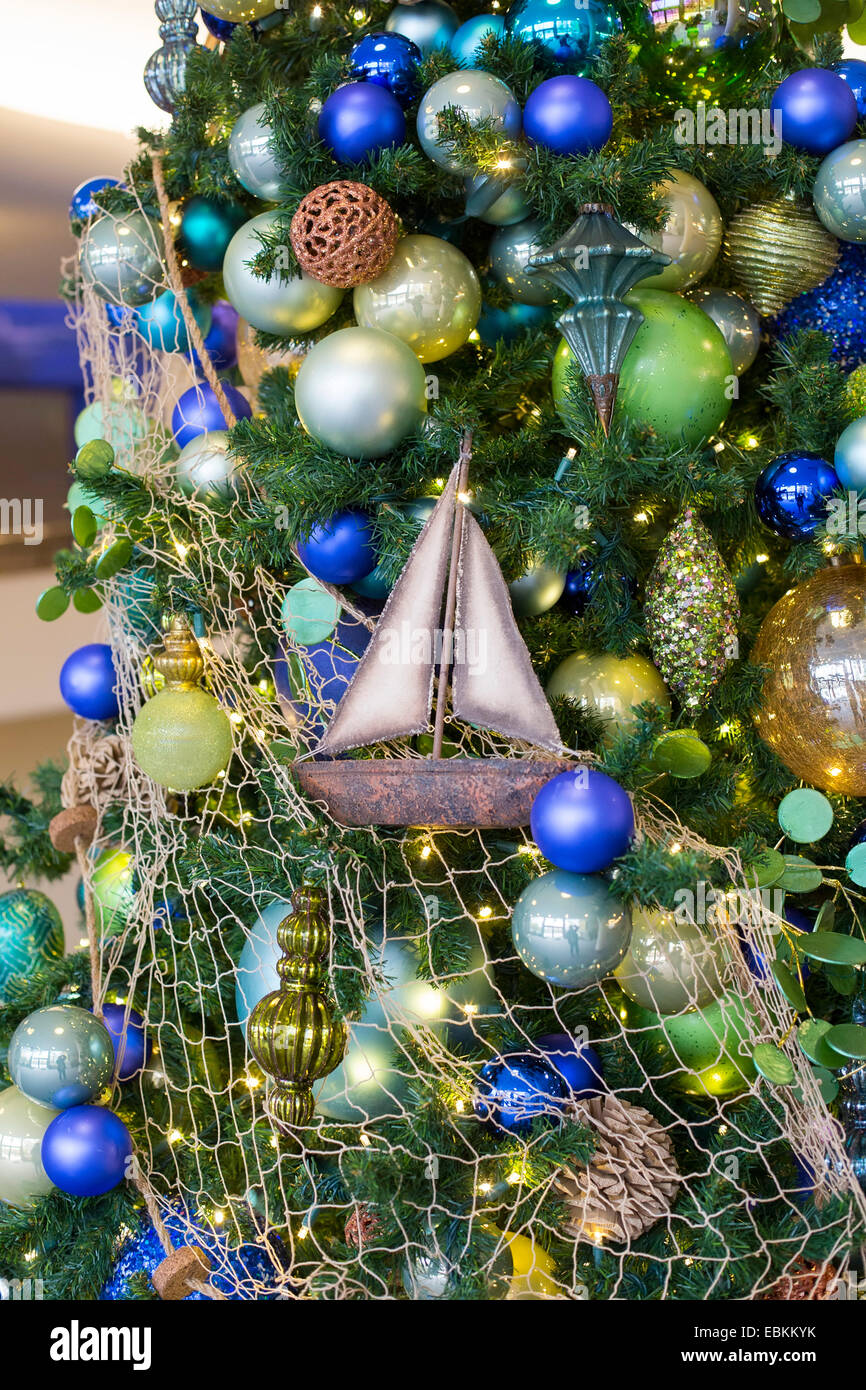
[(813, 709)]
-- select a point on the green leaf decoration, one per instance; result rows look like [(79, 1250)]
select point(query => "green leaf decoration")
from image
[(766, 870), (801, 875), (810, 1036), (827, 1083), (773, 1064), (848, 1039), (87, 600), (789, 985), (826, 917), (52, 604), (680, 753), (84, 527), (833, 948), (842, 978), (802, 11), (118, 554), (94, 460)]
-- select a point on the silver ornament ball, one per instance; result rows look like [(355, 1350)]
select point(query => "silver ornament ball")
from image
[(429, 24), (22, 1126), (839, 191), (738, 323), (206, 467), (251, 156), (278, 305), (360, 391), (61, 1056), (477, 95), (510, 251), (120, 257), (569, 929)]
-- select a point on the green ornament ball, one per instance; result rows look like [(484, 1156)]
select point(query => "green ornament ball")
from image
[(22, 1125), (309, 613), (93, 460), (31, 933), (609, 686), (855, 394), (112, 885), (537, 590), (284, 305), (711, 1046), (182, 739)]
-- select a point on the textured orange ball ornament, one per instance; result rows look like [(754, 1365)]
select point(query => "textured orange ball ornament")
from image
[(813, 708), (344, 234)]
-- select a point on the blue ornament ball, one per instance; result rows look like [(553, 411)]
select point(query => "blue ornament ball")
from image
[(850, 456), (582, 820), (31, 933), (791, 493), (577, 1063), (206, 228), (428, 23), (88, 682), (569, 32), (340, 550), (818, 110), (85, 1150), (837, 308), (569, 115), (128, 1033), (495, 323), (514, 1091), (318, 675), (221, 29), (853, 71), (221, 342), (162, 325), (83, 205), (359, 119), (858, 837), (465, 45), (199, 412), (390, 61)]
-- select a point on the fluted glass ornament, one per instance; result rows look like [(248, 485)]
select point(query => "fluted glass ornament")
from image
[(165, 70), (596, 263), (293, 1033)]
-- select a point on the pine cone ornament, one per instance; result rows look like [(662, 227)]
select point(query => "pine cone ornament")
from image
[(691, 611), (777, 250), (98, 768), (631, 1180), (361, 1227)]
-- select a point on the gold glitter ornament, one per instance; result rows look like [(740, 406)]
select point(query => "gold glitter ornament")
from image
[(855, 394), (777, 250), (691, 611), (813, 707)]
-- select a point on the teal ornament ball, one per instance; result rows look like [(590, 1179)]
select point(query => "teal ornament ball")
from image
[(504, 211), (120, 258), (839, 191), (360, 392), (285, 306), (123, 424), (510, 251), (80, 496), (256, 970), (113, 887), (536, 591), (22, 1125), (466, 44), (309, 613), (182, 739), (569, 929), (569, 32), (31, 933), (206, 228), (61, 1056), (252, 159), (429, 24), (162, 325), (849, 459), (206, 467), (479, 97)]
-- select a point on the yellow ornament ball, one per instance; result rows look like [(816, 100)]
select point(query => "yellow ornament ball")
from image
[(182, 739), (429, 296), (609, 686), (240, 11)]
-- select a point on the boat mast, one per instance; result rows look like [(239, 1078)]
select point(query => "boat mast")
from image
[(451, 597)]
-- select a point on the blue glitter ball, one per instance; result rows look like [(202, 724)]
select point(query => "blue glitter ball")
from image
[(837, 308), (247, 1272)]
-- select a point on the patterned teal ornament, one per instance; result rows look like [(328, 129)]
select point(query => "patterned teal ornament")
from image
[(165, 70), (30, 932)]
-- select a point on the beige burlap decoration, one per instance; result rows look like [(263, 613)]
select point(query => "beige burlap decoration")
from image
[(631, 1180), (97, 771), (344, 234)]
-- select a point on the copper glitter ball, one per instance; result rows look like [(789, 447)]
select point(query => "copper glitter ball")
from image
[(361, 1227), (344, 234)]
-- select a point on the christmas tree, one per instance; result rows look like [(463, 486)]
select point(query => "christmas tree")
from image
[(466, 794)]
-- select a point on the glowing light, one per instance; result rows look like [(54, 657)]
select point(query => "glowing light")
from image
[(762, 559), (641, 516), (486, 912), (175, 1136), (303, 1232), (365, 1141), (426, 852), (219, 1217)]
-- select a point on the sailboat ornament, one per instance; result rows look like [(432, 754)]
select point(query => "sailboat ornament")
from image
[(479, 652)]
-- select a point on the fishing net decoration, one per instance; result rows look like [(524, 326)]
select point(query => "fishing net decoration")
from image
[(418, 1201)]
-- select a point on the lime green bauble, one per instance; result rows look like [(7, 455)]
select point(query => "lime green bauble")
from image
[(676, 374), (182, 739), (610, 686), (112, 885), (712, 1045)]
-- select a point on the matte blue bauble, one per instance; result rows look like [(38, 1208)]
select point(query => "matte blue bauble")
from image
[(514, 1091), (199, 412), (466, 43), (791, 493), (221, 343), (570, 32), (206, 228), (359, 119), (319, 674), (582, 820), (340, 550), (389, 60), (161, 322), (580, 1066), (853, 71), (85, 1150), (88, 682), (132, 1046), (569, 115), (83, 205), (837, 308), (508, 323), (818, 110), (850, 457)]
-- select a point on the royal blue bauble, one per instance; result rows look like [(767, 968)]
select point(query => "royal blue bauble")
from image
[(513, 1091), (162, 325), (206, 228), (390, 61), (199, 412), (580, 1066), (359, 119), (83, 205), (849, 458), (221, 343), (582, 820), (853, 71), (85, 1150), (121, 316), (318, 675), (221, 29), (340, 550), (132, 1046), (570, 32), (859, 835), (88, 682), (495, 324), (569, 115), (818, 110), (791, 493), (837, 308), (465, 45)]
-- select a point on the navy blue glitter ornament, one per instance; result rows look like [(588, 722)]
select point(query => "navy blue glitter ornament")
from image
[(791, 493), (515, 1090), (837, 307), (389, 60)]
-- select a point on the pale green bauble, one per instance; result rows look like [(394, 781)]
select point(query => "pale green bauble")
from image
[(240, 11), (123, 424), (206, 467), (121, 258), (569, 929), (839, 192), (609, 686), (429, 296), (361, 391), (61, 1056), (670, 965), (480, 98), (510, 250), (251, 156), (182, 739), (536, 591), (112, 885), (22, 1125), (691, 235), (510, 207), (277, 305)]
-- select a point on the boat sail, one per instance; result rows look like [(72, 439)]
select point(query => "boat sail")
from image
[(476, 647)]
